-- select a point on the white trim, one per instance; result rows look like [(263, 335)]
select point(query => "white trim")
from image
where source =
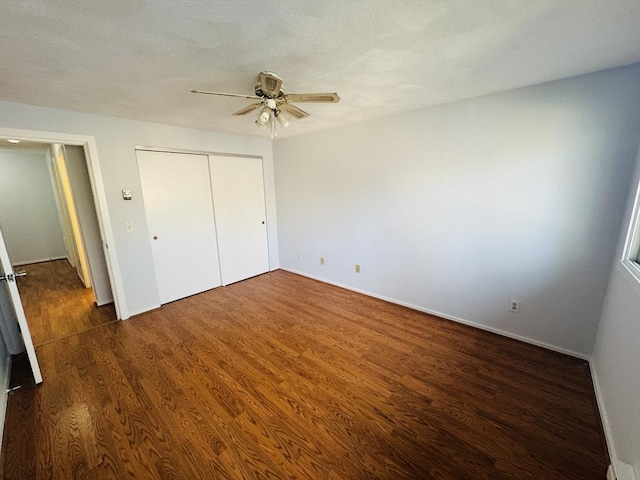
[(634, 230), (608, 434), (147, 309), (537, 343), (621, 470), (148, 148), (39, 260), (632, 267), (100, 198)]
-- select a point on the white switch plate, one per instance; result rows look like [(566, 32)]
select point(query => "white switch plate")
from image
[(128, 226)]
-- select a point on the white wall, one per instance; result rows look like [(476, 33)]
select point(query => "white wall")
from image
[(457, 209), (115, 140), (616, 357), (28, 213)]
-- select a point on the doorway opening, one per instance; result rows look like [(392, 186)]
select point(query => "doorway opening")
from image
[(57, 304), (51, 227)]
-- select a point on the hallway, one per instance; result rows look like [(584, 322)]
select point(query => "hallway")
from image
[(56, 303)]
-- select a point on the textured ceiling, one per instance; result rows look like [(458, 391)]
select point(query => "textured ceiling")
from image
[(139, 58)]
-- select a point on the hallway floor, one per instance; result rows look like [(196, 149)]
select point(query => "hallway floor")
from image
[(57, 304)]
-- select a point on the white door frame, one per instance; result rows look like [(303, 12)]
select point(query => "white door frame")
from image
[(99, 196)]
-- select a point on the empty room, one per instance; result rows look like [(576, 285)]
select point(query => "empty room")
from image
[(294, 239)]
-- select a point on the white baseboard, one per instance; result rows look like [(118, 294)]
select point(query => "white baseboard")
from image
[(447, 317), (622, 471), (619, 470), (39, 260), (140, 311), (105, 302)]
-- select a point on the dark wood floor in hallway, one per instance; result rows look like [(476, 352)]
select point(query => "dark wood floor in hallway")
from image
[(283, 377), (56, 303)]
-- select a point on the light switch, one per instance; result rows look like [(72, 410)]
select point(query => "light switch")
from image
[(128, 226), (126, 195)]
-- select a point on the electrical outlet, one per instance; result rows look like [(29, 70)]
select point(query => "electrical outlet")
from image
[(321, 260), (128, 226), (514, 305), (357, 268)]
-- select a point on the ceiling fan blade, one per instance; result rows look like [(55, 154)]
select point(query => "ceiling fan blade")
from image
[(270, 84), (313, 97), (248, 109), (293, 111), (225, 94)]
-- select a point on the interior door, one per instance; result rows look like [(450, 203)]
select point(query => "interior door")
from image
[(82, 266), (178, 204), (12, 310), (238, 198)]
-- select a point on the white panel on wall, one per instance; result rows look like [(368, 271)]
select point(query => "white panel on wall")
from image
[(238, 193), (28, 213)]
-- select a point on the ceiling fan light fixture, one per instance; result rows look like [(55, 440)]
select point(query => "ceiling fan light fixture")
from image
[(265, 117), (282, 118)]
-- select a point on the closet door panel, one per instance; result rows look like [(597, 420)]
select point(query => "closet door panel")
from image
[(239, 203), (180, 217)]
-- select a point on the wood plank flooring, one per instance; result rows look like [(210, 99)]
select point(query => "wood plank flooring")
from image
[(56, 303), (283, 377)]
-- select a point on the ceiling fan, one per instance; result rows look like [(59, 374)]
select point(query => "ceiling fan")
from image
[(274, 104)]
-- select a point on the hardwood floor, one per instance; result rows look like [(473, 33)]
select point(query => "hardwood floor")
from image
[(283, 377), (56, 303)]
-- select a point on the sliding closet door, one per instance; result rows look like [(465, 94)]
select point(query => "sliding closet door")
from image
[(238, 195), (178, 204)]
